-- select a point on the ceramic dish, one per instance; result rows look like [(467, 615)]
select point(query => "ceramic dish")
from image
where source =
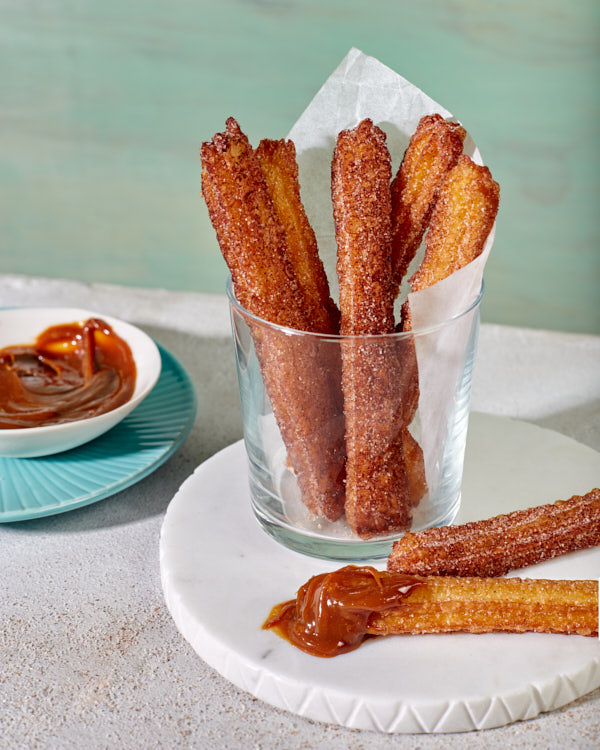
[(22, 326), (38, 487)]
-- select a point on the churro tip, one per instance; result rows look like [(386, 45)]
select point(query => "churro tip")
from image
[(232, 127), (220, 142)]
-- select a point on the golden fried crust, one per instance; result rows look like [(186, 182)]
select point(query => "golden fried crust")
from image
[(302, 377), (250, 236), (361, 172), (433, 149), (333, 612), (377, 499), (506, 542), (462, 218), (466, 202), (485, 605), (278, 163), (415, 467), (304, 394)]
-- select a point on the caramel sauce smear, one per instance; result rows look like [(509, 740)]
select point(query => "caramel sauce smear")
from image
[(331, 611)]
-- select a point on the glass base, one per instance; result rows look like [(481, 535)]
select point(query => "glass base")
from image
[(337, 548), (298, 376)]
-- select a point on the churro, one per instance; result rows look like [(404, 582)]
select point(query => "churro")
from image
[(376, 484), (278, 163), (463, 215), (297, 373), (461, 221), (507, 542), (333, 612), (250, 236), (434, 148), (345, 421), (492, 605), (415, 467)]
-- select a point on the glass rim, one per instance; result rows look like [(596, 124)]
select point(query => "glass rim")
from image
[(340, 337)]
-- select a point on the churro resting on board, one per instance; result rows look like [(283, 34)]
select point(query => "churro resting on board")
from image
[(376, 485), (278, 163), (434, 148), (493, 605), (334, 612), (305, 398), (496, 545)]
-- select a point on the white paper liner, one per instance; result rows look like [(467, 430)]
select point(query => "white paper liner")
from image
[(363, 87)]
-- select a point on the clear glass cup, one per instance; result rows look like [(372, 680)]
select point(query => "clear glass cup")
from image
[(310, 459)]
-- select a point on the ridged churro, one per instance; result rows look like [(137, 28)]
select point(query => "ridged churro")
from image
[(507, 542), (250, 235), (376, 485), (333, 612), (415, 467), (461, 221), (360, 184), (492, 605), (345, 421), (278, 163), (463, 215), (434, 148), (297, 373)]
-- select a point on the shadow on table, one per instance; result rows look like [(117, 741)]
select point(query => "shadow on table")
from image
[(210, 364), (580, 423)]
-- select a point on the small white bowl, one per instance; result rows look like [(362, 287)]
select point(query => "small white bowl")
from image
[(23, 326)]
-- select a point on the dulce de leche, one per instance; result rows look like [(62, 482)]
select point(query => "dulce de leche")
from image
[(72, 371)]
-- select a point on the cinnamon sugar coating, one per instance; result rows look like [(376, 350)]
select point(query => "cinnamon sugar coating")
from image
[(377, 499), (461, 221), (415, 467), (497, 545), (360, 184), (302, 378), (466, 202), (434, 148), (278, 163), (250, 236), (490, 605), (302, 386)]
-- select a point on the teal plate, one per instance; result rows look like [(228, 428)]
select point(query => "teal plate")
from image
[(36, 487)]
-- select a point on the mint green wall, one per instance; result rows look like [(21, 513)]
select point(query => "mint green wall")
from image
[(105, 103)]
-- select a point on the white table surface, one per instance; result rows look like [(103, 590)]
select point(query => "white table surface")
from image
[(89, 656)]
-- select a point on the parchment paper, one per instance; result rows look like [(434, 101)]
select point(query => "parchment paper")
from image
[(362, 87)]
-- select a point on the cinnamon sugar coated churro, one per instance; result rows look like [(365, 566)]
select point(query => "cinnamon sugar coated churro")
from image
[(333, 612), (433, 149), (415, 467), (278, 163), (507, 542), (250, 236), (493, 605), (345, 408), (376, 485), (462, 219), (466, 207), (301, 384), (360, 188)]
